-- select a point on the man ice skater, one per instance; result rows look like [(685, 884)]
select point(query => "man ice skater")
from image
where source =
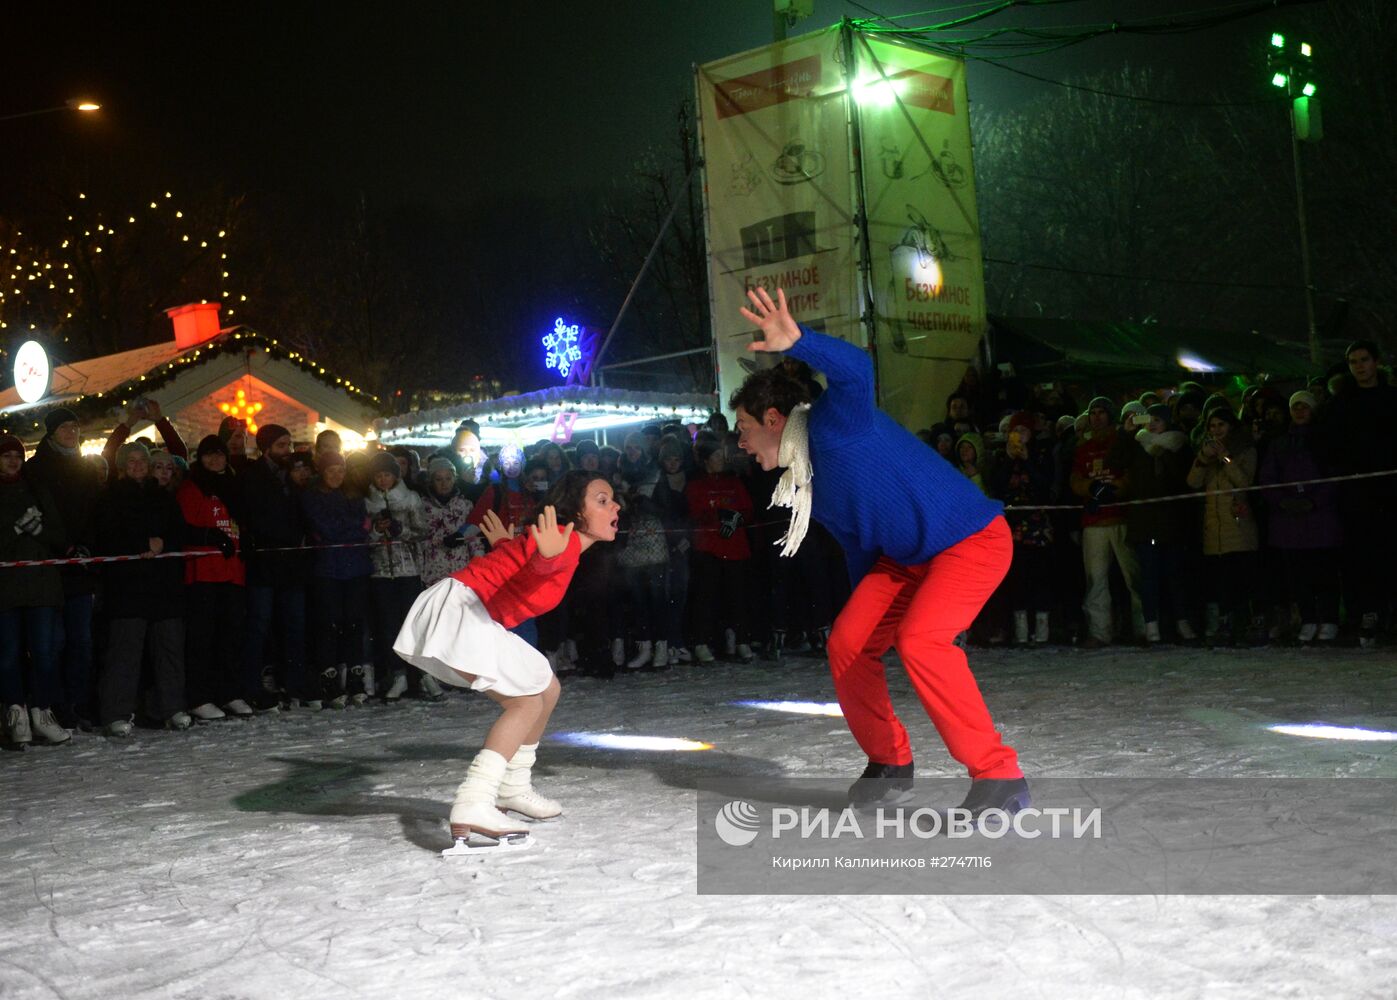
[(925, 550)]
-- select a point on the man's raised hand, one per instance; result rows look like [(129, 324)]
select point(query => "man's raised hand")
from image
[(778, 327), (547, 538), (494, 530)]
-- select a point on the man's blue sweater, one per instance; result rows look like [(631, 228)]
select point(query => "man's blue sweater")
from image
[(878, 489)]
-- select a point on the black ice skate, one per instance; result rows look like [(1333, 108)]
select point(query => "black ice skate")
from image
[(882, 785), (1008, 794)]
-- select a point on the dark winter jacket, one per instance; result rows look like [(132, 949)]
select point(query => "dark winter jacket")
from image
[(272, 519), (30, 586), (333, 517), (1157, 466), (1301, 517), (1023, 482), (129, 516), (73, 484)]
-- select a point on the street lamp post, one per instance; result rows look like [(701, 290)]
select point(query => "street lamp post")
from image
[(1290, 65), (85, 107)]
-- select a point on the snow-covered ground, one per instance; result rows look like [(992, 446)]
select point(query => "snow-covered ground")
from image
[(297, 856)]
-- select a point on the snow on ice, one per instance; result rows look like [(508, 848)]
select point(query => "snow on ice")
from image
[(297, 855)]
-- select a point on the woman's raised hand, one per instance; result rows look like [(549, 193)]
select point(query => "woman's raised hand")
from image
[(549, 540), (779, 329), (494, 530)]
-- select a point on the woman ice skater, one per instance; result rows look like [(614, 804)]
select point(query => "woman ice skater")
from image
[(458, 631), (925, 550)]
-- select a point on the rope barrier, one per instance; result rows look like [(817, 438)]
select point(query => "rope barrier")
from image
[(1015, 508)]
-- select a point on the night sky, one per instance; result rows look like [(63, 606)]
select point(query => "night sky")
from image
[(443, 104), (488, 137)]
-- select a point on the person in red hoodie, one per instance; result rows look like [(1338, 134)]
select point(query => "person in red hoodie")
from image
[(720, 508), (458, 631)]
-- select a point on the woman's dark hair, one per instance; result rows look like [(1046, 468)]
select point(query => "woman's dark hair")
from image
[(569, 495), (704, 450), (767, 389)]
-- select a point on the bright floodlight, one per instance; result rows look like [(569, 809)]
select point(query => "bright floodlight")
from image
[(830, 708), (1279, 80), (1194, 363), (1278, 41), (77, 105), (1305, 50), (612, 741), (1320, 731), (1309, 90)]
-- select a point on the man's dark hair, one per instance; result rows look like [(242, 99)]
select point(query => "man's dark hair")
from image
[(767, 389), (1363, 345)]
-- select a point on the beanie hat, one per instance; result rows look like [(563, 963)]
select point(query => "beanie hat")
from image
[(440, 464), (212, 443), (328, 458), (384, 462), (270, 434), (1102, 403), (1023, 419), (9, 443), (590, 448), (1160, 411), (304, 458), (1065, 421), (1190, 398), (1303, 396), (228, 425), (1133, 408), (127, 450), (55, 418)]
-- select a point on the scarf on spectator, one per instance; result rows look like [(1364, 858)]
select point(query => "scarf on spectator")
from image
[(70, 452), (793, 488)]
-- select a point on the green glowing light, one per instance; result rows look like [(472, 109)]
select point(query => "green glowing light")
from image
[(1278, 41), (1279, 80), (1305, 50), (1309, 90)]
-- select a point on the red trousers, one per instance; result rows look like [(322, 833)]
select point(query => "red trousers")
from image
[(920, 610)]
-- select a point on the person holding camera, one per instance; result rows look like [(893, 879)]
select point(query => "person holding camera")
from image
[(1226, 462)]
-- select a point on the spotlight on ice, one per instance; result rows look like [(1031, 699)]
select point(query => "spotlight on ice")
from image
[(1194, 363), (830, 708), (1319, 731), (612, 741)]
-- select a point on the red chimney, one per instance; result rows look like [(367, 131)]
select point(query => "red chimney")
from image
[(194, 323)]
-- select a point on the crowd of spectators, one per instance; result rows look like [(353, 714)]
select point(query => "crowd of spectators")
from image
[(297, 565)]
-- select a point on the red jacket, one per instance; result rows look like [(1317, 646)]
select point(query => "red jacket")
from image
[(516, 583), (203, 511), (516, 507), (1096, 459), (708, 498)]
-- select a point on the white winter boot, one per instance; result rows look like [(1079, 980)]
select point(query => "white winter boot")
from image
[(641, 657), (1020, 628), (17, 725), (397, 689), (1183, 628), (618, 652), (661, 660), (517, 792), (474, 808), (1152, 636), (1040, 628), (46, 726)]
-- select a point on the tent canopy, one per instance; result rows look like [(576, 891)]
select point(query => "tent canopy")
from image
[(1064, 348)]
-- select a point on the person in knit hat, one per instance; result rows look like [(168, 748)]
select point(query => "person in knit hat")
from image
[(232, 431), (75, 485), (1098, 478), (138, 412), (447, 542), (925, 550), (1162, 535), (277, 574), (32, 601), (338, 592)]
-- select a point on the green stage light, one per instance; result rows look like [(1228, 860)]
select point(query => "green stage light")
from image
[(1279, 80), (1309, 90), (1305, 50), (1278, 41)]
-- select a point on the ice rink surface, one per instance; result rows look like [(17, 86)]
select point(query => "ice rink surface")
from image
[(297, 855)]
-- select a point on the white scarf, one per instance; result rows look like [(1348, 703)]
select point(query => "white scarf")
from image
[(793, 489)]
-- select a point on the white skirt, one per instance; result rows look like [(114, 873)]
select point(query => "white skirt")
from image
[(448, 632)]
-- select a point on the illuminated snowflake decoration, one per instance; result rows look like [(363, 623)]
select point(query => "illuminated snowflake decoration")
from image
[(563, 349)]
